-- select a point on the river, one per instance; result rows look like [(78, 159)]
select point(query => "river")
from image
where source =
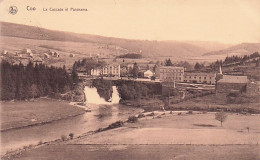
[(102, 114)]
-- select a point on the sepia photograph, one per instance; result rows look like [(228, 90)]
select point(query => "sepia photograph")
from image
[(130, 79)]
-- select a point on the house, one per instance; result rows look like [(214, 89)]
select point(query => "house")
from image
[(201, 77), (46, 55), (148, 74), (28, 52), (37, 60), (171, 73), (226, 84), (5, 52), (230, 83), (18, 54), (56, 54)]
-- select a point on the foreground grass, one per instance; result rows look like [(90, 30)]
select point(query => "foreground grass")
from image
[(151, 152), (173, 136), (21, 113)]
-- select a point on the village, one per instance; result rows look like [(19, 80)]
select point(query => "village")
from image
[(223, 84)]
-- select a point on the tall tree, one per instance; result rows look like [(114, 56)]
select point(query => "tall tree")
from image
[(221, 116), (168, 62), (135, 70)]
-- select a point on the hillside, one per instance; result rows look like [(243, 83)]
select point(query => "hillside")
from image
[(240, 49), (147, 48)]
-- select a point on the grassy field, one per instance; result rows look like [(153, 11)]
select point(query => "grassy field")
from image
[(151, 152), (186, 128), (22, 113), (186, 136)]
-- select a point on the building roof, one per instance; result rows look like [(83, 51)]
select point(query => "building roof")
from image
[(171, 67), (233, 79)]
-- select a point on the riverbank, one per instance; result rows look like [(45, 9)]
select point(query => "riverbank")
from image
[(163, 135), (207, 103), (21, 114)]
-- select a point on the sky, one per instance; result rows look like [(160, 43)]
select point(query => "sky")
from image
[(226, 21)]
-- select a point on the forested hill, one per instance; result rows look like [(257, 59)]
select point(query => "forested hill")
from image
[(25, 82), (144, 47)]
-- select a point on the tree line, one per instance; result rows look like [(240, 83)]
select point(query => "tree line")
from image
[(23, 82)]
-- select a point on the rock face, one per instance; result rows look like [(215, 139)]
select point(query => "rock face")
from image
[(78, 93), (104, 88)]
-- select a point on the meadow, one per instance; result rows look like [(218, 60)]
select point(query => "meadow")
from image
[(18, 114)]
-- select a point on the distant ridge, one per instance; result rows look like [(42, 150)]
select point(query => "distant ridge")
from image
[(240, 49), (144, 47)]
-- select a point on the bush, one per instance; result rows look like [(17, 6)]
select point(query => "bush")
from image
[(171, 112), (132, 119), (141, 115), (179, 113), (71, 135), (151, 114), (63, 137), (189, 112), (116, 125), (40, 143)]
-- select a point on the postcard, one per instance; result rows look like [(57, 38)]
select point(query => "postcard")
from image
[(130, 79)]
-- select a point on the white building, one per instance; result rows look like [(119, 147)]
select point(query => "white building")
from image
[(111, 70), (148, 74)]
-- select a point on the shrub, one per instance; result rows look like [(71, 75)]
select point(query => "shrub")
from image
[(40, 142), (171, 112), (204, 112), (163, 114), (63, 137), (179, 113), (116, 125), (71, 135), (159, 116), (151, 114), (141, 115), (189, 112), (132, 119)]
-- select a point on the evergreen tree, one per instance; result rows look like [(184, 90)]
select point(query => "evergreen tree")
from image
[(135, 70), (168, 62)]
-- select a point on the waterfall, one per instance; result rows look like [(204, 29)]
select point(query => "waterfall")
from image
[(93, 97), (115, 96)]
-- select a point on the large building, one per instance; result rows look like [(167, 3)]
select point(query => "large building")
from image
[(206, 78), (111, 70), (170, 73), (229, 83)]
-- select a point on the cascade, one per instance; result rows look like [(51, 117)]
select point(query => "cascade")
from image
[(93, 97)]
